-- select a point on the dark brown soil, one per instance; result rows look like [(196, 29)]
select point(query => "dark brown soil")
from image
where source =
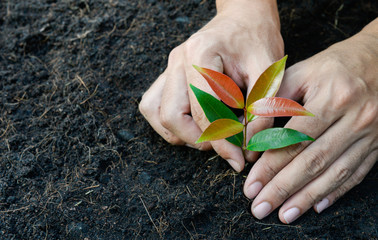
[(77, 159)]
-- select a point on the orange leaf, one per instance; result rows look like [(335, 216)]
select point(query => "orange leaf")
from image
[(219, 129), (277, 107), (223, 86), (268, 83)]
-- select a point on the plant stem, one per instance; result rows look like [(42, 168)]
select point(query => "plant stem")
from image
[(245, 129)]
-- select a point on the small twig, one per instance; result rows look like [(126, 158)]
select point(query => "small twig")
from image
[(107, 34), (337, 15), (94, 93), (14, 210), (47, 230), (82, 82), (276, 225), (233, 188), (5, 131), (44, 113), (144, 205), (190, 234), (91, 187), (245, 130), (130, 27), (190, 193)]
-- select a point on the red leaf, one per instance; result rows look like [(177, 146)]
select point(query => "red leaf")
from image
[(277, 107), (223, 86)]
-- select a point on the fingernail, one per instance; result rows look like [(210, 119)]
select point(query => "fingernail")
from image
[(235, 165), (291, 214), (188, 145), (254, 189), (262, 210), (320, 206)]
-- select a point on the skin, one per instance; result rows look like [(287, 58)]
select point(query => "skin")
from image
[(251, 43), (338, 85)]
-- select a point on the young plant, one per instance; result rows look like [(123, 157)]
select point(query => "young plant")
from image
[(260, 102)]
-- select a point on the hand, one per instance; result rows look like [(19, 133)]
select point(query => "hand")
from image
[(340, 86), (242, 40)]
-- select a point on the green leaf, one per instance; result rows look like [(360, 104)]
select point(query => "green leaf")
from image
[(225, 88), (268, 83), (273, 138), (220, 129), (214, 110)]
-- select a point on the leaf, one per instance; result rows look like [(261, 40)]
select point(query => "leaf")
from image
[(220, 129), (268, 83), (215, 109), (277, 107), (273, 138), (225, 88)]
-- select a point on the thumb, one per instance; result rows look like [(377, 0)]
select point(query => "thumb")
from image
[(232, 153), (254, 127), (260, 123), (292, 85)]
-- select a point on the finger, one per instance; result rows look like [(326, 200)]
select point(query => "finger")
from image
[(309, 164), (293, 82), (175, 113), (273, 161), (333, 178), (354, 180), (254, 127), (254, 68), (232, 153), (150, 109)]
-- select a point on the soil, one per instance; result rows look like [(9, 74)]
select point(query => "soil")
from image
[(77, 159)]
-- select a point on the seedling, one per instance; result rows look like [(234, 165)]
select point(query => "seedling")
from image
[(260, 102)]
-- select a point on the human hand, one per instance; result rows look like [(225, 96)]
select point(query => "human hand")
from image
[(242, 40), (340, 86)]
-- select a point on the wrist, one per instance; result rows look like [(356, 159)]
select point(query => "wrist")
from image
[(371, 28), (249, 11), (360, 52)]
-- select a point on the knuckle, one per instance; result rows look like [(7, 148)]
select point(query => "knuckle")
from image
[(192, 49), (368, 116), (312, 198), (293, 150), (194, 41), (173, 139), (339, 193), (174, 55), (343, 98), (269, 170), (357, 178), (199, 117), (167, 118), (341, 190), (281, 191), (144, 105), (342, 174), (315, 162), (345, 91)]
